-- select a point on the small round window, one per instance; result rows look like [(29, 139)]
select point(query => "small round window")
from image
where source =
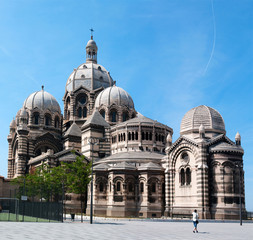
[(185, 158), (82, 100)]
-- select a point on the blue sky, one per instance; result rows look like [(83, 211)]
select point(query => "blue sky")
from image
[(169, 55)]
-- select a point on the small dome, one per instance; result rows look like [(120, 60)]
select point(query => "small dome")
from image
[(91, 43), (211, 120), (13, 124), (114, 95), (43, 101)]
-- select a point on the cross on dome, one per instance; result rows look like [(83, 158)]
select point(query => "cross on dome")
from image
[(91, 33)]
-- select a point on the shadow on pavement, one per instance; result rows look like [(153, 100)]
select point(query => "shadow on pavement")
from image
[(108, 223)]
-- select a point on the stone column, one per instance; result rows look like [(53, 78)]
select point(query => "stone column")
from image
[(72, 107), (10, 158), (22, 150)]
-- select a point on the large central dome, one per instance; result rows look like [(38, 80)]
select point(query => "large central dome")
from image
[(202, 115), (90, 74)]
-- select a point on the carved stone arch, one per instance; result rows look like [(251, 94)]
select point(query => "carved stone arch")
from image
[(101, 179), (118, 178), (215, 163), (142, 179), (152, 179), (229, 164), (181, 148), (47, 141)]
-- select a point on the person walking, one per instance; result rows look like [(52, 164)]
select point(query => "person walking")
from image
[(195, 218)]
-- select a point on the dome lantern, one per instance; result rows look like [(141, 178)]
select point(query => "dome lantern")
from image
[(91, 51)]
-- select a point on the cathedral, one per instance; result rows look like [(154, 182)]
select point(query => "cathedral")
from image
[(138, 170)]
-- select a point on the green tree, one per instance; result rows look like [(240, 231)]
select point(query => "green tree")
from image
[(45, 182), (78, 178)]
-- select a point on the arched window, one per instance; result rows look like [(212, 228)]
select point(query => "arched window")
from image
[(182, 177), (153, 187), (129, 136), (142, 136), (118, 187), (132, 135), (188, 176), (125, 116), (101, 187), (99, 68), (84, 112), (113, 116), (110, 186), (102, 112), (130, 187), (79, 112), (150, 136), (124, 136), (36, 117), (142, 187), (146, 135), (56, 122), (48, 120), (136, 136)]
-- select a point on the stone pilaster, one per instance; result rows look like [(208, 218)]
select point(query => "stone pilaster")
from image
[(202, 182)]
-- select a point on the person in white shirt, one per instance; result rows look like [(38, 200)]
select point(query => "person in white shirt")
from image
[(195, 218)]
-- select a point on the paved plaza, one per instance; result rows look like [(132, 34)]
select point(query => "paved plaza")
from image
[(125, 229)]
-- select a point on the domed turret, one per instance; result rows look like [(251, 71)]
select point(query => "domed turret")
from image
[(211, 120), (42, 100), (114, 95), (202, 131), (169, 139), (238, 138), (13, 124)]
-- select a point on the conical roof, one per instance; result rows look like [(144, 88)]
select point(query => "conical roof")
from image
[(74, 130), (96, 120)]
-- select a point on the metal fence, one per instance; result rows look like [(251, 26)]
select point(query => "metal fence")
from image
[(13, 209)]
